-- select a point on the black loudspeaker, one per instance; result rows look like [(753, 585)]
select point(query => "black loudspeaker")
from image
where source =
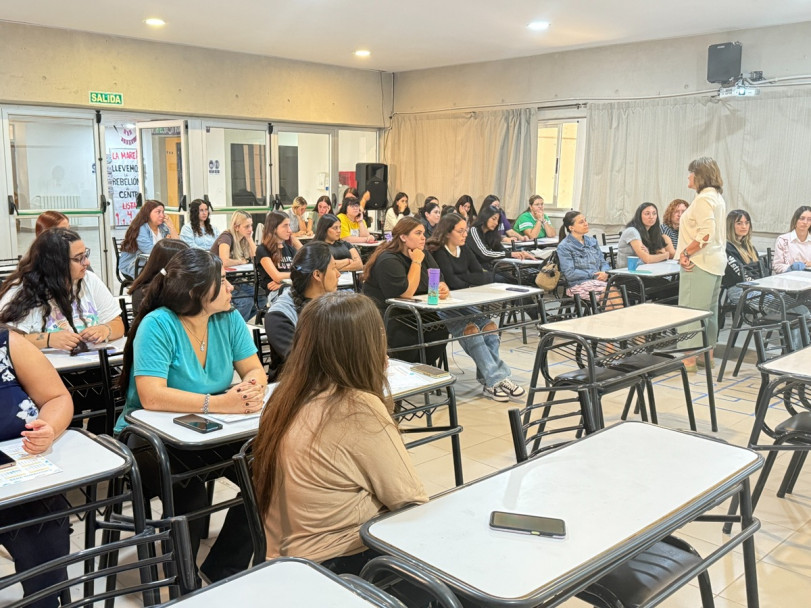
[(373, 177), (724, 62)]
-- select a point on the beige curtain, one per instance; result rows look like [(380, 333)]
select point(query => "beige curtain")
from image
[(475, 153), (639, 151)]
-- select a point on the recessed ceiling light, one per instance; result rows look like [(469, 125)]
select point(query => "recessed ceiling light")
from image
[(362, 53), (155, 22), (539, 26)]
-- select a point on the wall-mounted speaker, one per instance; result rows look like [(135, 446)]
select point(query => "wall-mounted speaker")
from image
[(373, 177), (724, 62)]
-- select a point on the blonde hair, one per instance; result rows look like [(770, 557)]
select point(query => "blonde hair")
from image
[(240, 245), (299, 202)]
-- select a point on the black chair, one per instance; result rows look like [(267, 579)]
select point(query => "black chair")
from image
[(123, 279), (168, 550), (404, 579), (127, 314), (611, 239), (243, 465), (638, 579), (10, 265)]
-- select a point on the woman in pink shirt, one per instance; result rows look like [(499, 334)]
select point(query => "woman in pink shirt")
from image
[(792, 251)]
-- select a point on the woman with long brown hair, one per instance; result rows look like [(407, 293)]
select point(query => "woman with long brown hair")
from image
[(147, 228), (274, 256), (328, 456), (399, 269)]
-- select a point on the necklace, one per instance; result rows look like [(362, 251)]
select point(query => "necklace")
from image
[(205, 335)]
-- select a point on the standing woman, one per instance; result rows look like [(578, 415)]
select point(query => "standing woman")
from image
[(534, 223), (643, 238), (274, 256), (347, 258), (672, 219), (147, 228), (397, 211), (430, 214), (464, 206), (235, 247), (399, 269), (199, 232), (792, 251), (299, 225), (328, 456), (702, 247)]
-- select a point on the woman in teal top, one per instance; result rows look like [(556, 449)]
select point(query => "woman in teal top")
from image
[(182, 351), (534, 223)]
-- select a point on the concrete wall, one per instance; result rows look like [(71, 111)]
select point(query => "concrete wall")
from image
[(663, 67), (59, 68)]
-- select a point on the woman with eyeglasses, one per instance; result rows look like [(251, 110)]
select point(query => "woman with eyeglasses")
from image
[(55, 299), (461, 269), (347, 258), (792, 251), (235, 247), (199, 232), (147, 228)]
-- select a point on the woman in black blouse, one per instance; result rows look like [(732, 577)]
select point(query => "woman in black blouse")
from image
[(399, 269), (328, 230)]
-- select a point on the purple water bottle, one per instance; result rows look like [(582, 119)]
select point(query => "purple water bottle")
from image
[(433, 285)]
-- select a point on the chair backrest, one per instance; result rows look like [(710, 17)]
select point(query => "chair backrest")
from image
[(612, 257), (611, 239), (378, 571), (127, 313), (259, 233), (243, 465), (163, 560), (121, 278)]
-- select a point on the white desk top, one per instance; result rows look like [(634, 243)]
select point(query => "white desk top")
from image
[(239, 268), (793, 364), (628, 322), (473, 296), (63, 362), (544, 242), (794, 281), (78, 455), (402, 379), (373, 244), (520, 262), (615, 489), (288, 583), (606, 248), (659, 269)]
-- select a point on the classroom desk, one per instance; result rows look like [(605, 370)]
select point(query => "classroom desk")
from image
[(646, 328), (493, 299), (797, 364), (793, 282), (542, 243), (619, 490), (667, 268), (64, 362), (285, 582), (649, 282)]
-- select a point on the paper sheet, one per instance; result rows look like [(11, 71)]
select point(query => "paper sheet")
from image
[(28, 467)]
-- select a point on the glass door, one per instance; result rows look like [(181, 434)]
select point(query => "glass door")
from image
[(304, 164), (163, 154), (51, 165)]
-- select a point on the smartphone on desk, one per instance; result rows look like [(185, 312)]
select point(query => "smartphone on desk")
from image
[(528, 524), (6, 461), (197, 423)]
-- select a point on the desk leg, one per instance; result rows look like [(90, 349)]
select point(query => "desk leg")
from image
[(456, 445), (749, 560), (710, 387)]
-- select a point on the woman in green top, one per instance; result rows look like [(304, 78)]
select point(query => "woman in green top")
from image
[(534, 223)]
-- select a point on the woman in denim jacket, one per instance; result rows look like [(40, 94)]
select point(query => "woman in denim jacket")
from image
[(581, 260)]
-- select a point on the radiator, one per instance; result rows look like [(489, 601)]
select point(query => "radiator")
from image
[(55, 201)]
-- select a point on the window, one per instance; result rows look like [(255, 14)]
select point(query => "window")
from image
[(556, 177)]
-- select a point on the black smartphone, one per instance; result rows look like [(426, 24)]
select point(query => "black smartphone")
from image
[(528, 524), (197, 423), (81, 347), (6, 461)]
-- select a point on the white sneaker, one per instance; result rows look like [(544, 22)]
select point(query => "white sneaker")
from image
[(496, 393), (511, 388)]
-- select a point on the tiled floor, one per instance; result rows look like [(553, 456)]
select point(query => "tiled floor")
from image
[(783, 544)]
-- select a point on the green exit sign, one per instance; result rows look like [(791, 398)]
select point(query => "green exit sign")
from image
[(107, 99)]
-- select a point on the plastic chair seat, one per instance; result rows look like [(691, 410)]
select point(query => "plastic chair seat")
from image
[(641, 361), (581, 376), (633, 582), (799, 423)]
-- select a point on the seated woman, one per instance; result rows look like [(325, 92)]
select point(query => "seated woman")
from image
[(672, 219), (792, 251), (461, 269), (581, 260), (314, 273), (430, 213), (235, 247), (55, 299), (51, 219), (643, 238), (743, 262), (199, 232), (274, 256), (147, 228), (34, 405), (184, 347), (353, 228), (347, 258), (396, 211), (328, 456), (164, 251), (505, 228), (485, 240), (300, 225), (464, 206), (322, 206), (534, 223), (399, 269)]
